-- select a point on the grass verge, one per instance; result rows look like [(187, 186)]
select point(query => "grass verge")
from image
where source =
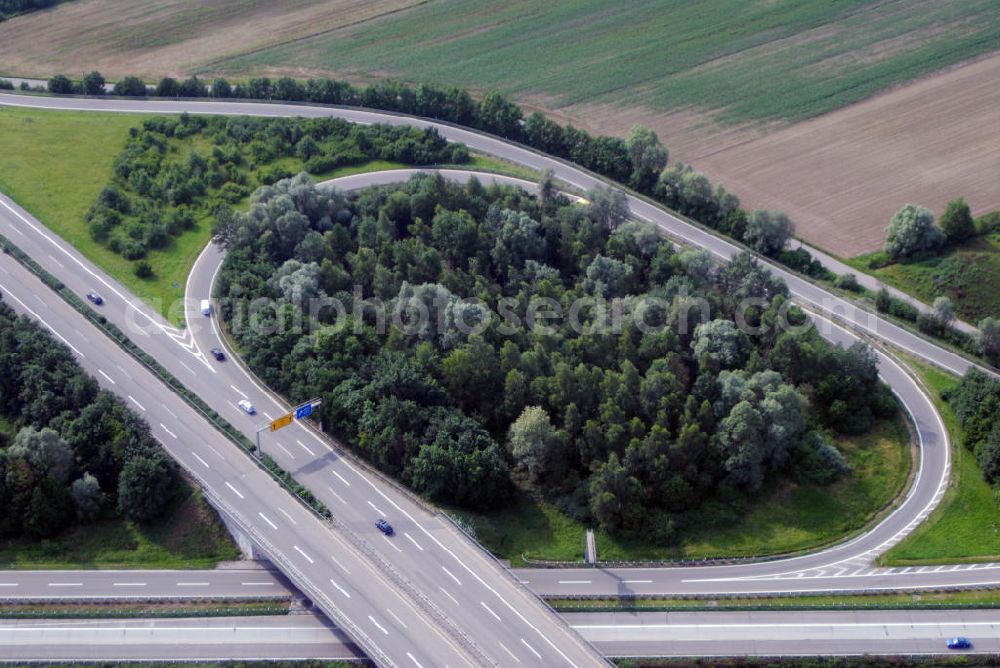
[(151, 609), (188, 535), (968, 274), (786, 518), (977, 598), (965, 527)]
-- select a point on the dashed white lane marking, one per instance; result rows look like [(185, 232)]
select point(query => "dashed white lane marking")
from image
[(490, 610), (342, 566), (257, 584), (445, 592), (396, 617), (128, 584), (375, 508), (164, 427), (525, 643), (109, 378), (273, 525), (299, 550), (510, 653), (452, 576), (342, 478), (393, 545), (415, 543), (284, 449), (61, 265), (340, 589), (201, 460), (414, 660), (9, 584), (235, 491), (65, 584), (268, 416), (238, 391), (305, 448), (136, 402), (575, 582), (339, 497), (190, 370), (169, 411), (380, 627), (637, 582), (285, 513), (192, 584)]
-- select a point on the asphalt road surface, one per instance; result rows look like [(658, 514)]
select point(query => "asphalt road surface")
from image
[(226, 583), (615, 634)]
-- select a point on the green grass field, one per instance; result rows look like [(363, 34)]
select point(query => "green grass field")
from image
[(189, 535), (966, 526), (789, 59), (786, 518), (969, 274)]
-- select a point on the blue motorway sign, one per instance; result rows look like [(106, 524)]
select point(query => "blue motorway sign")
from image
[(303, 411)]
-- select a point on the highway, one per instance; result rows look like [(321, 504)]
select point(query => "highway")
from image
[(220, 583), (449, 577), (655, 634)]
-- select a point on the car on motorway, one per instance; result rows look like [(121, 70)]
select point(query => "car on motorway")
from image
[(95, 298), (247, 407), (959, 642), (384, 527), (206, 307), (217, 354)]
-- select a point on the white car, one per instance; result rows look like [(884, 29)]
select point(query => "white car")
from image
[(247, 407)]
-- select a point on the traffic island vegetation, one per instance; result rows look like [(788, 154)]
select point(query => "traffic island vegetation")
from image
[(966, 525), (82, 481), (644, 430)]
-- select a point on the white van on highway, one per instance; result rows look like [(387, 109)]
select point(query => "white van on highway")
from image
[(206, 307)]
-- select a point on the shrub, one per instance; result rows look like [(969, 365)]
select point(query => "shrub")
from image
[(143, 269), (848, 282)]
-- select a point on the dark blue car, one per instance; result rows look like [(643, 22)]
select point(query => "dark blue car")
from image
[(384, 527), (95, 298), (959, 643)]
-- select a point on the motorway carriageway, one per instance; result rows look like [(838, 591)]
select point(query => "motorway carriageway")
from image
[(702, 634)]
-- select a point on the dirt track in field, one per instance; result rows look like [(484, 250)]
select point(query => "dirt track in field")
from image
[(843, 175), (154, 38)]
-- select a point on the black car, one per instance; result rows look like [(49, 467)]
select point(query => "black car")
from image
[(384, 527), (96, 298), (218, 354)]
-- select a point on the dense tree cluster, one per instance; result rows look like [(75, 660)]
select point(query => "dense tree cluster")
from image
[(78, 450), (158, 190), (671, 416), (976, 401)]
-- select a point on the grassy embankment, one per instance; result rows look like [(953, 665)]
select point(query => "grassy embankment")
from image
[(54, 164), (789, 60), (966, 526), (188, 535), (786, 517), (968, 274)]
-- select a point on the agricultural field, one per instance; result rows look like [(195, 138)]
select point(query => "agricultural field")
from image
[(155, 38)]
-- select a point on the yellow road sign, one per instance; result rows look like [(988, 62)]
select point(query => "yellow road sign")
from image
[(283, 421)]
